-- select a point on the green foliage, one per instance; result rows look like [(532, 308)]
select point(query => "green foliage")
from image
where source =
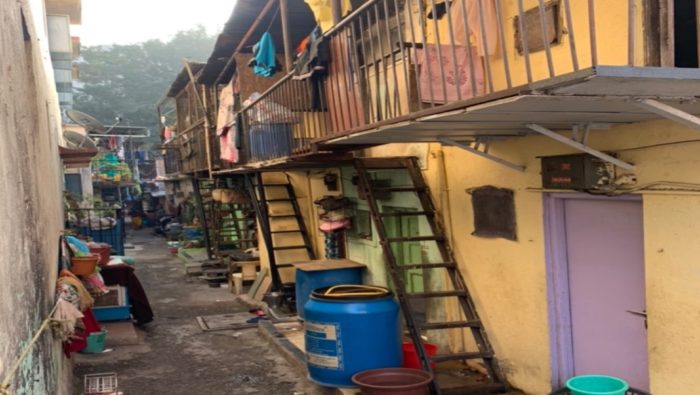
[(128, 80)]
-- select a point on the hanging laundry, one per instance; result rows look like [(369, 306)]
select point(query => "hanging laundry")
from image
[(226, 119), (432, 70), (312, 65), (474, 9), (264, 62), (323, 11)]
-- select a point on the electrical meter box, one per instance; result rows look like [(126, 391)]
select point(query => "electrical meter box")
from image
[(578, 172)]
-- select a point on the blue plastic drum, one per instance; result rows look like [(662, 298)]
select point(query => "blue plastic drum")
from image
[(350, 329)]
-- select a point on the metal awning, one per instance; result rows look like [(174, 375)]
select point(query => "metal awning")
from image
[(602, 96)]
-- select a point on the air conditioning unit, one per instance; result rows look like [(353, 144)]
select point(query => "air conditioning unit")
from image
[(578, 172)]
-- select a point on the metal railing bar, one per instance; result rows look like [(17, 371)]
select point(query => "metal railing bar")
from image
[(404, 57), (359, 88), (484, 42), (376, 100), (631, 31), (523, 38), (502, 45), (572, 38), (545, 39), (409, 10), (395, 90), (470, 52), (438, 46), (385, 72), (365, 60), (451, 32), (426, 63), (592, 32)]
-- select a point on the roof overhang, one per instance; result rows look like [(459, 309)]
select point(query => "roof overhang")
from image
[(72, 8), (603, 96), (76, 157)]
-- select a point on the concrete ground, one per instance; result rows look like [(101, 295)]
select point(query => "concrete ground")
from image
[(171, 355)]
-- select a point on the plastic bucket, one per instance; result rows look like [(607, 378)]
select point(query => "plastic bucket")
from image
[(84, 265), (95, 343), (103, 252), (410, 357), (393, 381), (597, 385)]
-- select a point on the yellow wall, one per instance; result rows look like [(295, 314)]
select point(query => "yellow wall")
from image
[(508, 278), (611, 29)]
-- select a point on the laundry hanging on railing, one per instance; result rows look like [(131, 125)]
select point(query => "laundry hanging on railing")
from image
[(225, 122), (264, 61), (311, 65), (323, 11), (473, 10), (436, 65)]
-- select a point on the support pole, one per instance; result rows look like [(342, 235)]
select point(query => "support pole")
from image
[(288, 60), (207, 123), (482, 154), (581, 147), (670, 112)]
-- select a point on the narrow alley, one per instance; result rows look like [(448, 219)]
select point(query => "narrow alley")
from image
[(350, 197), (172, 354)]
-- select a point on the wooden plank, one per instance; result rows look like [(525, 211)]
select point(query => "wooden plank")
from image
[(256, 284), (264, 288)]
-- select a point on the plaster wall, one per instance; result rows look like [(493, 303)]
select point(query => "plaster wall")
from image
[(508, 279), (31, 208)]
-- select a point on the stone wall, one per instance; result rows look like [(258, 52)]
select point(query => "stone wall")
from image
[(30, 201)]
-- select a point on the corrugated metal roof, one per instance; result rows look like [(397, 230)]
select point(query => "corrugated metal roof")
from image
[(302, 22), (183, 78)]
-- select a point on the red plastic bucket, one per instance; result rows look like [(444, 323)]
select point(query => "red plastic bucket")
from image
[(410, 357), (103, 252)]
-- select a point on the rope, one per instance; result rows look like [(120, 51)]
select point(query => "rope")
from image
[(5, 386), (353, 290)]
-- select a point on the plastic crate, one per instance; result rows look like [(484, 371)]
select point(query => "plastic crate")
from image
[(117, 312)]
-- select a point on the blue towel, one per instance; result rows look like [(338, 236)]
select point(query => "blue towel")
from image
[(265, 62)]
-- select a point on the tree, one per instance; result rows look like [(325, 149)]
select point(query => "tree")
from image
[(128, 80)]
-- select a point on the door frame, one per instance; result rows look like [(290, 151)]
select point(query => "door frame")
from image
[(557, 272)]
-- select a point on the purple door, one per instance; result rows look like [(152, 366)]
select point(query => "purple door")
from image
[(605, 253)]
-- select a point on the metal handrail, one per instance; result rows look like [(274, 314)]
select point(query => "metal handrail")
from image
[(377, 76)]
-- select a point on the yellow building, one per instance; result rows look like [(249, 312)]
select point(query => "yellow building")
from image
[(570, 273)]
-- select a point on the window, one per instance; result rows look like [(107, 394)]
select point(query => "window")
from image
[(494, 212), (361, 222)]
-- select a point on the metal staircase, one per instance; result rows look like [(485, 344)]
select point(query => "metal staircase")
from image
[(279, 225), (378, 191), (233, 223)]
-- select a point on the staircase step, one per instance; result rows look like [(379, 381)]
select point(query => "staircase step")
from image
[(408, 214), (446, 265), (451, 324), (461, 356), (436, 294), (286, 231), (282, 216), (415, 238), (279, 200), (398, 189), (289, 248)]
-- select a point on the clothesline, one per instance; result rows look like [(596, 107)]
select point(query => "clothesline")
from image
[(5, 386)]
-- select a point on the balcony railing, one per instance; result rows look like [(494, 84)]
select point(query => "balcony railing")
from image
[(393, 60)]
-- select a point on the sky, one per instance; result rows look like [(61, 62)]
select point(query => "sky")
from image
[(130, 21)]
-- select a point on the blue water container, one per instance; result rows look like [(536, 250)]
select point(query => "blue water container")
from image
[(324, 273), (350, 329)]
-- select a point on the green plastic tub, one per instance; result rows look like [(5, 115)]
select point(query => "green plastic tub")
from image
[(95, 343), (597, 385)]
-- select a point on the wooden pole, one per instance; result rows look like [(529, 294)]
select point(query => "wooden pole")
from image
[(336, 10), (288, 60), (202, 103)]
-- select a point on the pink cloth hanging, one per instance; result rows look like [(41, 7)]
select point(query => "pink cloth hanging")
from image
[(471, 7), (226, 119), (431, 88)]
